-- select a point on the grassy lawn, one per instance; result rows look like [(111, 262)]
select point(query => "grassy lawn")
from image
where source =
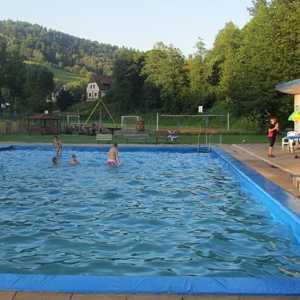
[(65, 76), (184, 139), (60, 75)]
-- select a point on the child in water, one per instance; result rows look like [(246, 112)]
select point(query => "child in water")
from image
[(57, 145), (55, 161), (73, 161), (113, 156)]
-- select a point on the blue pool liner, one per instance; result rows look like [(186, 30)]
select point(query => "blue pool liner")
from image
[(151, 285), (284, 208), (105, 148), (7, 148)]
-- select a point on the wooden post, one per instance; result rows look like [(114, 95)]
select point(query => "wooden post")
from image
[(228, 122)]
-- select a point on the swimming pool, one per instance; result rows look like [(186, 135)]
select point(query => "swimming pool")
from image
[(164, 212)]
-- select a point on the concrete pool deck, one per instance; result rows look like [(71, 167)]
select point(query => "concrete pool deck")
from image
[(279, 170)]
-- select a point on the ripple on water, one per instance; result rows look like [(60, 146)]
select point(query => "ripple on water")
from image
[(159, 214)]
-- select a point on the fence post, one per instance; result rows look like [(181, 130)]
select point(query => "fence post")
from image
[(228, 121), (157, 121)]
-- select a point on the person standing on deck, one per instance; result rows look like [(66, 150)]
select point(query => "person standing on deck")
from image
[(272, 134)]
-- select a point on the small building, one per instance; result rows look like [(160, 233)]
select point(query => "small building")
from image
[(292, 88), (44, 124), (92, 91), (98, 87)]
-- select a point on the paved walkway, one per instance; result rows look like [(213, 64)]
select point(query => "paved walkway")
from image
[(280, 169), (39, 296)]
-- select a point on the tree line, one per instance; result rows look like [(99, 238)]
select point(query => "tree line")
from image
[(23, 87), (42, 45), (237, 75)]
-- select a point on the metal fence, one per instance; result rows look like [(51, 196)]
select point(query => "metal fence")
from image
[(13, 126)]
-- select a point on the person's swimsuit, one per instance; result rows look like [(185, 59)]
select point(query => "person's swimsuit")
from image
[(112, 162), (272, 135)]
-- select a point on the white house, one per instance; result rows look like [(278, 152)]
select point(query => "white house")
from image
[(93, 91)]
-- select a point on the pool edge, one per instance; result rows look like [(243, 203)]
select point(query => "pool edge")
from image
[(189, 286), (154, 285)]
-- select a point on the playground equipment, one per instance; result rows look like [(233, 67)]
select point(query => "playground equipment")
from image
[(132, 123), (99, 106), (98, 127)]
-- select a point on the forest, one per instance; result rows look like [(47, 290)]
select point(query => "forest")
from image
[(238, 75)]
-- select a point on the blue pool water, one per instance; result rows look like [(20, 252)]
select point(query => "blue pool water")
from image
[(160, 213)]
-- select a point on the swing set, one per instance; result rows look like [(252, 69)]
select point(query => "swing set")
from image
[(99, 107)]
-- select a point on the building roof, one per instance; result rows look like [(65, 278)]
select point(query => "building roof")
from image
[(44, 117), (290, 87), (101, 79)]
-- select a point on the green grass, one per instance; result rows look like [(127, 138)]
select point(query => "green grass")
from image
[(184, 139), (65, 76), (61, 75)]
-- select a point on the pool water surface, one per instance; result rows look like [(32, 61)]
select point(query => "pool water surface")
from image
[(159, 213)]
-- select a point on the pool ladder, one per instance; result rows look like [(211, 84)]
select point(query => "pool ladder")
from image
[(208, 142)]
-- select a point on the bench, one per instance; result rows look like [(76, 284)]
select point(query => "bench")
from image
[(132, 135), (135, 137), (104, 137)]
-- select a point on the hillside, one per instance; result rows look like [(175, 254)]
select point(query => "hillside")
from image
[(59, 50), (60, 75)]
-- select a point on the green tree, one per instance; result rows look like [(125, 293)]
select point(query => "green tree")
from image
[(269, 54), (127, 88), (37, 87), (64, 99), (256, 6), (165, 68)]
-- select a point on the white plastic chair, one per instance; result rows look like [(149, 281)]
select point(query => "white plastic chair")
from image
[(285, 144), (289, 143)]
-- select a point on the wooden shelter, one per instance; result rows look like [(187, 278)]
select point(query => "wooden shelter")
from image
[(44, 124)]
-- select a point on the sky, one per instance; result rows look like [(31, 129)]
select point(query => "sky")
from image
[(135, 24)]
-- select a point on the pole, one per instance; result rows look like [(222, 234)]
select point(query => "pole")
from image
[(100, 126), (228, 122), (157, 121)]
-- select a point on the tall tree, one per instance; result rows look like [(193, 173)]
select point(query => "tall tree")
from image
[(165, 68), (127, 82), (37, 87)]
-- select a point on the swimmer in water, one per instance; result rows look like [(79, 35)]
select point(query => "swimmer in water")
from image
[(57, 145), (55, 161), (73, 161), (113, 156)]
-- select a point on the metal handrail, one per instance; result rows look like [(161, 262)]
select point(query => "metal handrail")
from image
[(208, 140)]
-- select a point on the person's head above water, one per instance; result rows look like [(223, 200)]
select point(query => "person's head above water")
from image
[(55, 160), (73, 156)]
